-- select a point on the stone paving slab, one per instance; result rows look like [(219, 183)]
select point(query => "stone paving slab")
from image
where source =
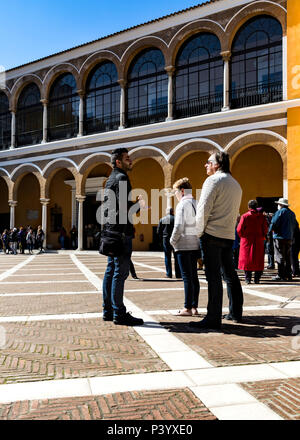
[(46, 287), (64, 349), (281, 396), (47, 304), (174, 404), (264, 336)]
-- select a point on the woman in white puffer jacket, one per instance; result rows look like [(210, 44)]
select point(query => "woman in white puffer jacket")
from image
[(185, 241)]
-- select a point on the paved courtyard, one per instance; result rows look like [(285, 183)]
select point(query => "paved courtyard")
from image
[(59, 360)]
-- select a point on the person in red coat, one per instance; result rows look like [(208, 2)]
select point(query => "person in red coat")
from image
[(252, 230)]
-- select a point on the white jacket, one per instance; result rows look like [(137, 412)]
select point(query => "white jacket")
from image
[(184, 236), (219, 205)]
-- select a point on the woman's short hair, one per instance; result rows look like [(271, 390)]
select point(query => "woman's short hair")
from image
[(252, 204), (183, 183)]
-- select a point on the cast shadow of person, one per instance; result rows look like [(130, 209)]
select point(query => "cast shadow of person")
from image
[(258, 327)]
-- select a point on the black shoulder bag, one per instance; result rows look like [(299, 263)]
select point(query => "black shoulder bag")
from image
[(112, 243)]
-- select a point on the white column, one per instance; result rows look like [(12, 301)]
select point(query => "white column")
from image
[(80, 200), (122, 83), (169, 195), (81, 112), (226, 58), (13, 129), (170, 71), (45, 120), (45, 203), (284, 69), (12, 205)]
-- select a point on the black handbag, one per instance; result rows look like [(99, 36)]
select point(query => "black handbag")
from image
[(112, 243)]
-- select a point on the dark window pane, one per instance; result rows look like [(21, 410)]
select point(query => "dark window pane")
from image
[(29, 117)]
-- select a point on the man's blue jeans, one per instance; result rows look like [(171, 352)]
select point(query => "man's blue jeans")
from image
[(188, 265), (113, 283), (218, 260)]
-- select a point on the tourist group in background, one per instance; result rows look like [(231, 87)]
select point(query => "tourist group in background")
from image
[(22, 239)]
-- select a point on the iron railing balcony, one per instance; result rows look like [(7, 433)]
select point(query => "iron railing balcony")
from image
[(198, 106), (63, 131), (256, 95), (102, 124), (5, 140), (145, 116), (32, 137)]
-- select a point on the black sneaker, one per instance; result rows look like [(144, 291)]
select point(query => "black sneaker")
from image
[(229, 317), (128, 319), (107, 317)]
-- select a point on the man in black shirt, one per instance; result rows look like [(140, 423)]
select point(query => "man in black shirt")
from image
[(118, 213)]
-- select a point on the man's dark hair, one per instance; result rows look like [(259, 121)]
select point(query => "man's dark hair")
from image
[(252, 204), (117, 155), (223, 161)]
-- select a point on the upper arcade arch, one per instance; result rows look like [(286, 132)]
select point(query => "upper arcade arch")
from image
[(193, 29), (95, 60), (20, 85), (149, 42), (54, 73), (254, 9)]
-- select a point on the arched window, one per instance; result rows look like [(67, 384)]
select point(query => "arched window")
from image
[(256, 63), (147, 93), (102, 99), (29, 117), (198, 77), (63, 111), (5, 123)]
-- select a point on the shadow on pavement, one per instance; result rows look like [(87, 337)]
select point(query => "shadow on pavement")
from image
[(251, 327)]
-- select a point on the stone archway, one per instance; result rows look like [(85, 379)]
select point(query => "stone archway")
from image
[(259, 170), (147, 174)]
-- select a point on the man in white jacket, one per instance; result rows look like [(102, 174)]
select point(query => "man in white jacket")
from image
[(217, 212)]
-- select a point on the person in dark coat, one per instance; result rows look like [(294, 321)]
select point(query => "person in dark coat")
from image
[(164, 229), (252, 229), (118, 212), (283, 226)]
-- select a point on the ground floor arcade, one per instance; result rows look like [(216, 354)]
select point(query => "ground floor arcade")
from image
[(62, 195)]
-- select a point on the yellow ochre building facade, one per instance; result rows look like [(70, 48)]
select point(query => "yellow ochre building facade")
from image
[(220, 76)]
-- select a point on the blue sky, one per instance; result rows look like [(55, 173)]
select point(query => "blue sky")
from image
[(38, 28)]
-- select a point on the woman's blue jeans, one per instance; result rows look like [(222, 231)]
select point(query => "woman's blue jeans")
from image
[(117, 271), (188, 265)]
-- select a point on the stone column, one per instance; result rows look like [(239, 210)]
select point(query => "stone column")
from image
[(170, 71), (12, 204), (81, 112), (45, 203), (169, 195), (13, 129), (122, 83), (45, 120), (226, 88), (80, 200)]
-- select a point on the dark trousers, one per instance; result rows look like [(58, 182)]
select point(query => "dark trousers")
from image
[(168, 250), (218, 260), (257, 275), (283, 257), (132, 269), (113, 283), (295, 259), (188, 266)]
